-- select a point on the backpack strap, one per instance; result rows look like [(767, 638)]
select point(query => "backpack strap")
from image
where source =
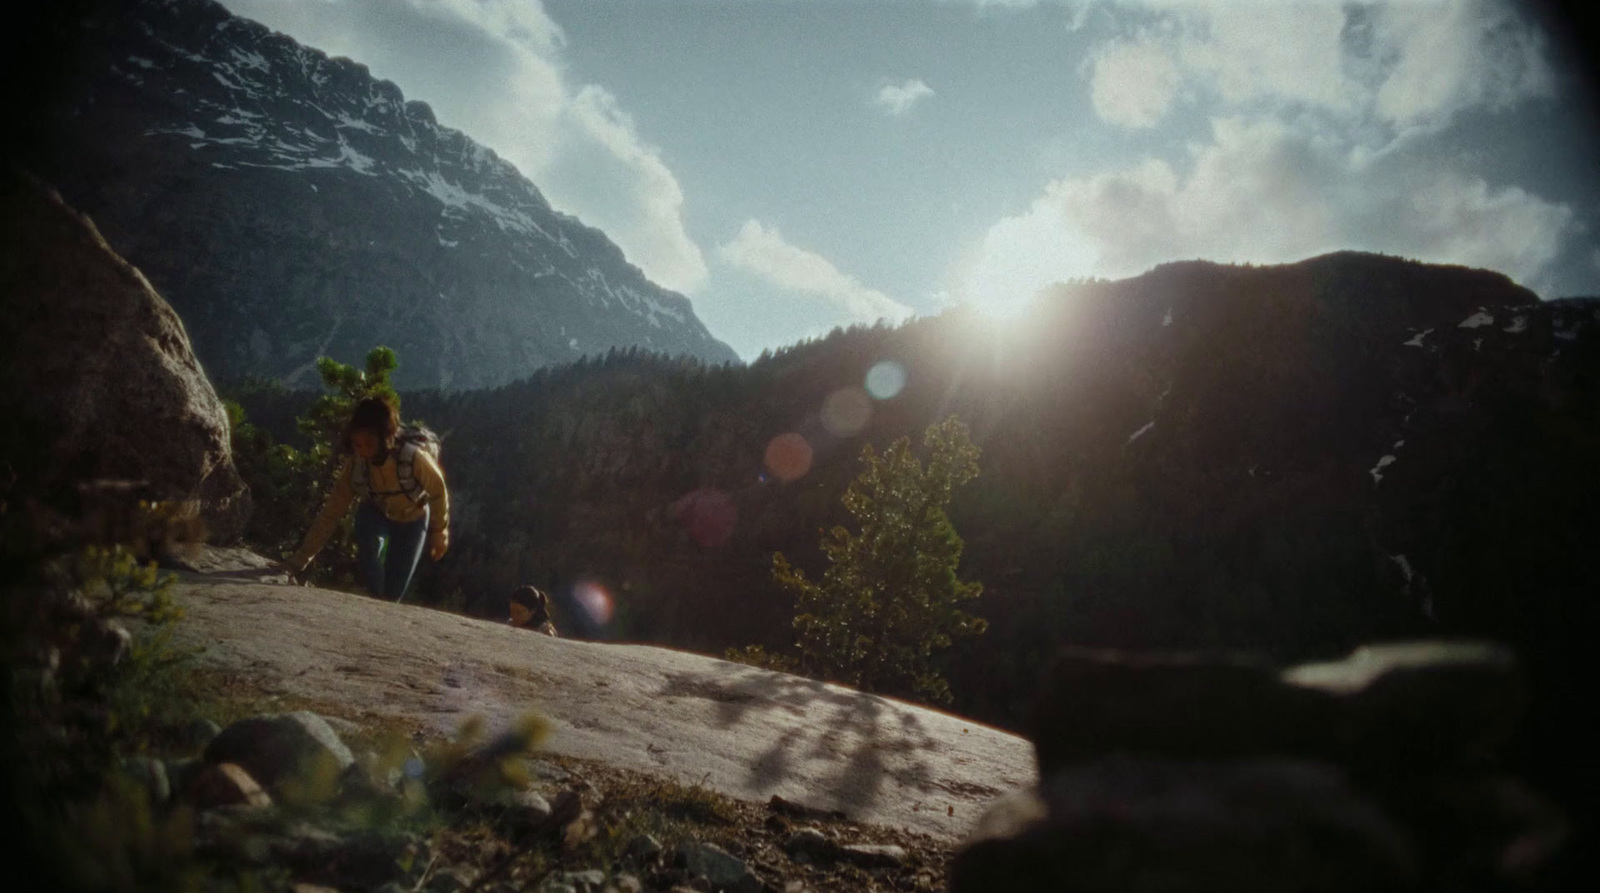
[(405, 469), (360, 479), (405, 458)]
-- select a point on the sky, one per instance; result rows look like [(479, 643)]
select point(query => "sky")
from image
[(796, 165)]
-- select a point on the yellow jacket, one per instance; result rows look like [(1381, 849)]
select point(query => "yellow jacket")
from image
[(384, 478)]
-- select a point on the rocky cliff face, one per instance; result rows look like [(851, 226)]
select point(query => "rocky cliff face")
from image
[(291, 205), (99, 381)]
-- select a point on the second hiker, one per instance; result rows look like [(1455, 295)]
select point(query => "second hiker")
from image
[(396, 477)]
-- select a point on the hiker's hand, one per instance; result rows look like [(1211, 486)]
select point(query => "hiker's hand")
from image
[(438, 544), (287, 569)]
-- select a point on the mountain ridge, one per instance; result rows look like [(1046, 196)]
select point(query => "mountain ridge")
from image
[(290, 205)]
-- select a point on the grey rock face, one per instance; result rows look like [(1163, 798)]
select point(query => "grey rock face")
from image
[(99, 380), (284, 751), (291, 205)]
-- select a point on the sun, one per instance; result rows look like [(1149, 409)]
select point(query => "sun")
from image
[(1018, 259)]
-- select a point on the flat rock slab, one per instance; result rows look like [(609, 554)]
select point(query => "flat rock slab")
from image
[(746, 732)]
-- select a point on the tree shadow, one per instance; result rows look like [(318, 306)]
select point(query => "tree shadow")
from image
[(875, 739)]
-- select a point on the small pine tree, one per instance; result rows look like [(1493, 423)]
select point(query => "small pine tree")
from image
[(890, 596), (325, 422)]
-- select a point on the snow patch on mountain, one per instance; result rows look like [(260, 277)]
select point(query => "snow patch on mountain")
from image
[(1377, 470), (1416, 340)]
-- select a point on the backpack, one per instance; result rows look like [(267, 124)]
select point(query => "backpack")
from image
[(410, 439)]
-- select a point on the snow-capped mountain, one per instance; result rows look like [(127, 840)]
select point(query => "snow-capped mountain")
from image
[(290, 205)]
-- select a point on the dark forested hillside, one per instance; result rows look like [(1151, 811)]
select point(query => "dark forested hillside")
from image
[(1285, 459)]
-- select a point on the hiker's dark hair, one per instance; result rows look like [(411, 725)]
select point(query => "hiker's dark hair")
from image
[(534, 599), (374, 414)]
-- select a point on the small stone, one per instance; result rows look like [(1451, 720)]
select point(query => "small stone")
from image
[(526, 807), (368, 859), (625, 883), (810, 845), (199, 733), (870, 855), (642, 847), (307, 847), (717, 866), (225, 784), (546, 771), (588, 881), (151, 776), (453, 879), (238, 818)]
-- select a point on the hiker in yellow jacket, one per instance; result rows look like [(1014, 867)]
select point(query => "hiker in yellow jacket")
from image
[(403, 498)]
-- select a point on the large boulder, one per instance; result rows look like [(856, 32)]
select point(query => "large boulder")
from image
[(1403, 708), (99, 381), (1097, 703), (1198, 773), (1416, 707), (1143, 823)]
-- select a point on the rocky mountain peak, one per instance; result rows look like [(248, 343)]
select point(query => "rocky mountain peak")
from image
[(292, 205)]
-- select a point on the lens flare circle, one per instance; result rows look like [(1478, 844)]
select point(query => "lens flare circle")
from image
[(594, 601), (886, 379), (788, 457), (709, 515), (846, 411)]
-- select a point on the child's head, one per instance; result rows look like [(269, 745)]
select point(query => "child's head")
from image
[(529, 607)]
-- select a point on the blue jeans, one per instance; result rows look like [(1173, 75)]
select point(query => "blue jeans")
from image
[(387, 572)]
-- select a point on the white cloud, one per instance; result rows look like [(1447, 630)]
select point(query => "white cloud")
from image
[(495, 70), (1401, 64), (1285, 51), (762, 251), (1453, 56), (1268, 193), (1133, 83), (897, 99), (644, 214)]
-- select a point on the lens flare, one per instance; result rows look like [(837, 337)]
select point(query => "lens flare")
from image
[(886, 379), (846, 411), (788, 457), (595, 602), (708, 514)]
